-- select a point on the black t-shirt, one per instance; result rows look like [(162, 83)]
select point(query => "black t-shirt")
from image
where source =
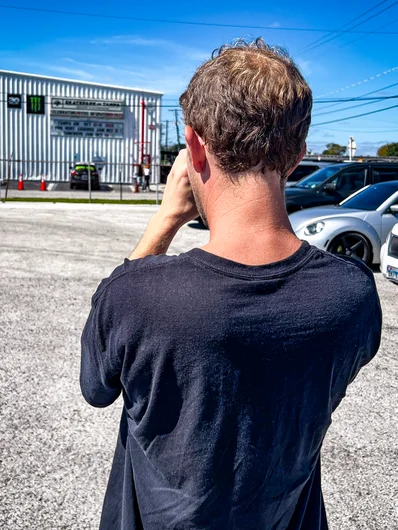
[(229, 375)]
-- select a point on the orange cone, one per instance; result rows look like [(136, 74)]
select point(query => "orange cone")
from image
[(43, 186), (21, 187)]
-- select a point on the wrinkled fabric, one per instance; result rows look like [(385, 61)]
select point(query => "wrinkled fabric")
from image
[(229, 375)]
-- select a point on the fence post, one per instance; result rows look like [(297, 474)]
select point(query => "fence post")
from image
[(120, 183), (89, 182), (8, 177)]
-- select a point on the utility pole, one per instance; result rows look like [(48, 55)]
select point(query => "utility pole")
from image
[(142, 130), (166, 141), (177, 127)]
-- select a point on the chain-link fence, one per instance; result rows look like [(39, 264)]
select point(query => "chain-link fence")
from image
[(63, 176), (60, 171)]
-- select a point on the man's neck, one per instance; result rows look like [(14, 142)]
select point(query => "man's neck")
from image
[(248, 222)]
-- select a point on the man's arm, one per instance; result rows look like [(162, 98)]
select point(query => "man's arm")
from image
[(102, 341), (178, 207)]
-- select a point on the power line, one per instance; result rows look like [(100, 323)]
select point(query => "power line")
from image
[(184, 22), (356, 116), (364, 95), (378, 100), (346, 100), (124, 105), (361, 36), (308, 49), (152, 104), (370, 131), (343, 26), (372, 78)]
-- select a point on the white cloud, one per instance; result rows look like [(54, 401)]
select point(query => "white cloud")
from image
[(106, 67), (170, 80), (171, 46), (80, 74)]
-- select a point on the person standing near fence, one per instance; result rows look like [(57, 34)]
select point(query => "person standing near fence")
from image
[(139, 175), (231, 357), (147, 177)]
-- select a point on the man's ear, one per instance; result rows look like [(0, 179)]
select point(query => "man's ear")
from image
[(196, 149), (300, 158)]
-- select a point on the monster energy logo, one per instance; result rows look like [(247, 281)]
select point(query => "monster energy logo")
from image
[(36, 105)]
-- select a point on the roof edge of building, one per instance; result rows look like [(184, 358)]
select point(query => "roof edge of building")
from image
[(91, 83)]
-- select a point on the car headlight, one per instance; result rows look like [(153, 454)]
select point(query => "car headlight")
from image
[(314, 228)]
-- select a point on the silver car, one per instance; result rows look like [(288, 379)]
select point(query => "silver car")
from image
[(356, 227), (389, 256)]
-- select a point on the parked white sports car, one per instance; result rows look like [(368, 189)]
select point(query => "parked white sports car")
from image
[(356, 227), (389, 256)]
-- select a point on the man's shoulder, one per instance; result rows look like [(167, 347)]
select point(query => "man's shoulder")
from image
[(342, 264), (137, 270), (345, 276)]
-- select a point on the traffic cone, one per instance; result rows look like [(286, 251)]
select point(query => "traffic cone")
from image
[(21, 187), (43, 185)]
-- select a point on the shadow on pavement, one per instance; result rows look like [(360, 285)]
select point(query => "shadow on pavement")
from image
[(105, 187)]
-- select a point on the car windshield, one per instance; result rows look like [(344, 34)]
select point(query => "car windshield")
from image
[(316, 179), (82, 167), (372, 197)]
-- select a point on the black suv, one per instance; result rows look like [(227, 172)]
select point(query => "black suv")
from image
[(79, 176), (305, 168), (334, 183)]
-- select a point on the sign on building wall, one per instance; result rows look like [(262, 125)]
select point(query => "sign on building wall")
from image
[(88, 108), (87, 129), (35, 104), (14, 101), (87, 118)]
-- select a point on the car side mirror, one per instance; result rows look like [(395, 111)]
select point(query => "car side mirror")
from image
[(330, 187), (394, 209)]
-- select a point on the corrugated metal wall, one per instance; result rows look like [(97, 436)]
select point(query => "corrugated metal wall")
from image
[(26, 138)]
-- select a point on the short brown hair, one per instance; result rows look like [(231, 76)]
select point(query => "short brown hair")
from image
[(251, 106)]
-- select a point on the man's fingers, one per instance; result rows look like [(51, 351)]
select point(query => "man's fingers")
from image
[(180, 164)]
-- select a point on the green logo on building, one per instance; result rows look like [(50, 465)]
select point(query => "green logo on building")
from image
[(36, 105)]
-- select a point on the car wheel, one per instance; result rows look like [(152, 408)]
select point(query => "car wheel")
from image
[(353, 245)]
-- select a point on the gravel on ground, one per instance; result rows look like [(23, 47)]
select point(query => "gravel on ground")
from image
[(56, 451)]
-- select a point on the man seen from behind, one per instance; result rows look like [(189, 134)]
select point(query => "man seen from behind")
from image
[(231, 357)]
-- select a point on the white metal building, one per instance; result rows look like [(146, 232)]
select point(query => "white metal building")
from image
[(47, 124)]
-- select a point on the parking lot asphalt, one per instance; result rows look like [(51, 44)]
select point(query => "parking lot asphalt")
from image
[(56, 451)]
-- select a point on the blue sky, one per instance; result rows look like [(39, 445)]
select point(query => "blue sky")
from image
[(163, 56)]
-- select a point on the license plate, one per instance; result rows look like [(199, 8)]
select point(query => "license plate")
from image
[(392, 272)]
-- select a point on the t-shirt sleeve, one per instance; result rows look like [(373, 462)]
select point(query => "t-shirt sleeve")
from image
[(363, 341), (102, 349)]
